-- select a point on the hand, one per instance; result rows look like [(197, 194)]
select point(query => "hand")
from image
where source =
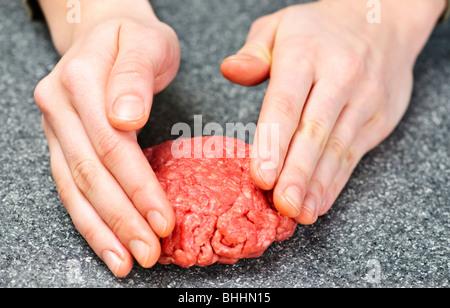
[(338, 86), (93, 102)]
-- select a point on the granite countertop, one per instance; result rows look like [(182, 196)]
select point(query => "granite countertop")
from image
[(389, 228)]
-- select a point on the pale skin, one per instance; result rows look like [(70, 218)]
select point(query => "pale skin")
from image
[(338, 87)]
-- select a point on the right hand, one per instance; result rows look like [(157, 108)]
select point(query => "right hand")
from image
[(93, 102)]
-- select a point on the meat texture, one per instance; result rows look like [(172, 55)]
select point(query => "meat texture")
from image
[(221, 215)]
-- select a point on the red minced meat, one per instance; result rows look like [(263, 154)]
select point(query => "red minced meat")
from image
[(221, 215)]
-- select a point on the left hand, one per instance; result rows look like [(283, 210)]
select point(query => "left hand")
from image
[(339, 85)]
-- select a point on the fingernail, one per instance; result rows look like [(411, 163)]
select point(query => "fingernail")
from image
[(112, 261), (140, 251), (239, 58), (129, 108), (157, 222), (268, 173), (294, 197), (310, 204)]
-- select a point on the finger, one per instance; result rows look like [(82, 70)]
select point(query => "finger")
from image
[(291, 80), (101, 189), (122, 156), (342, 177), (318, 119), (147, 60), (344, 132), (87, 221), (251, 64), (359, 112), (117, 150), (365, 141)]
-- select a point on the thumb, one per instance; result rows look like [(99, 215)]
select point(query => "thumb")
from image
[(147, 61), (250, 66)]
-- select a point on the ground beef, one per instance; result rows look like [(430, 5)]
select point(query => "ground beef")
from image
[(221, 215)]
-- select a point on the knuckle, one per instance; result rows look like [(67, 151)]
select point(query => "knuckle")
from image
[(350, 157), (143, 59), (256, 48), (259, 23), (382, 123), (285, 106), (168, 30), (349, 67), (89, 233), (83, 172), (374, 84), (170, 45), (133, 67), (315, 130), (337, 147), (42, 95), (120, 222), (63, 191), (73, 75), (108, 147), (63, 194), (154, 35), (353, 62), (316, 188), (374, 90), (136, 190)]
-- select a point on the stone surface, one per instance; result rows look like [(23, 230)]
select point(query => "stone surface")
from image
[(389, 228)]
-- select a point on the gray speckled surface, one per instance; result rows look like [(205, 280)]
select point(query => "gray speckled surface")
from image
[(392, 219)]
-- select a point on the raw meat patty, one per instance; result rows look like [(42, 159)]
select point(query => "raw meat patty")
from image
[(221, 215)]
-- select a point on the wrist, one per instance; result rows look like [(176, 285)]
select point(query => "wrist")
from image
[(392, 24), (414, 21), (66, 30)]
